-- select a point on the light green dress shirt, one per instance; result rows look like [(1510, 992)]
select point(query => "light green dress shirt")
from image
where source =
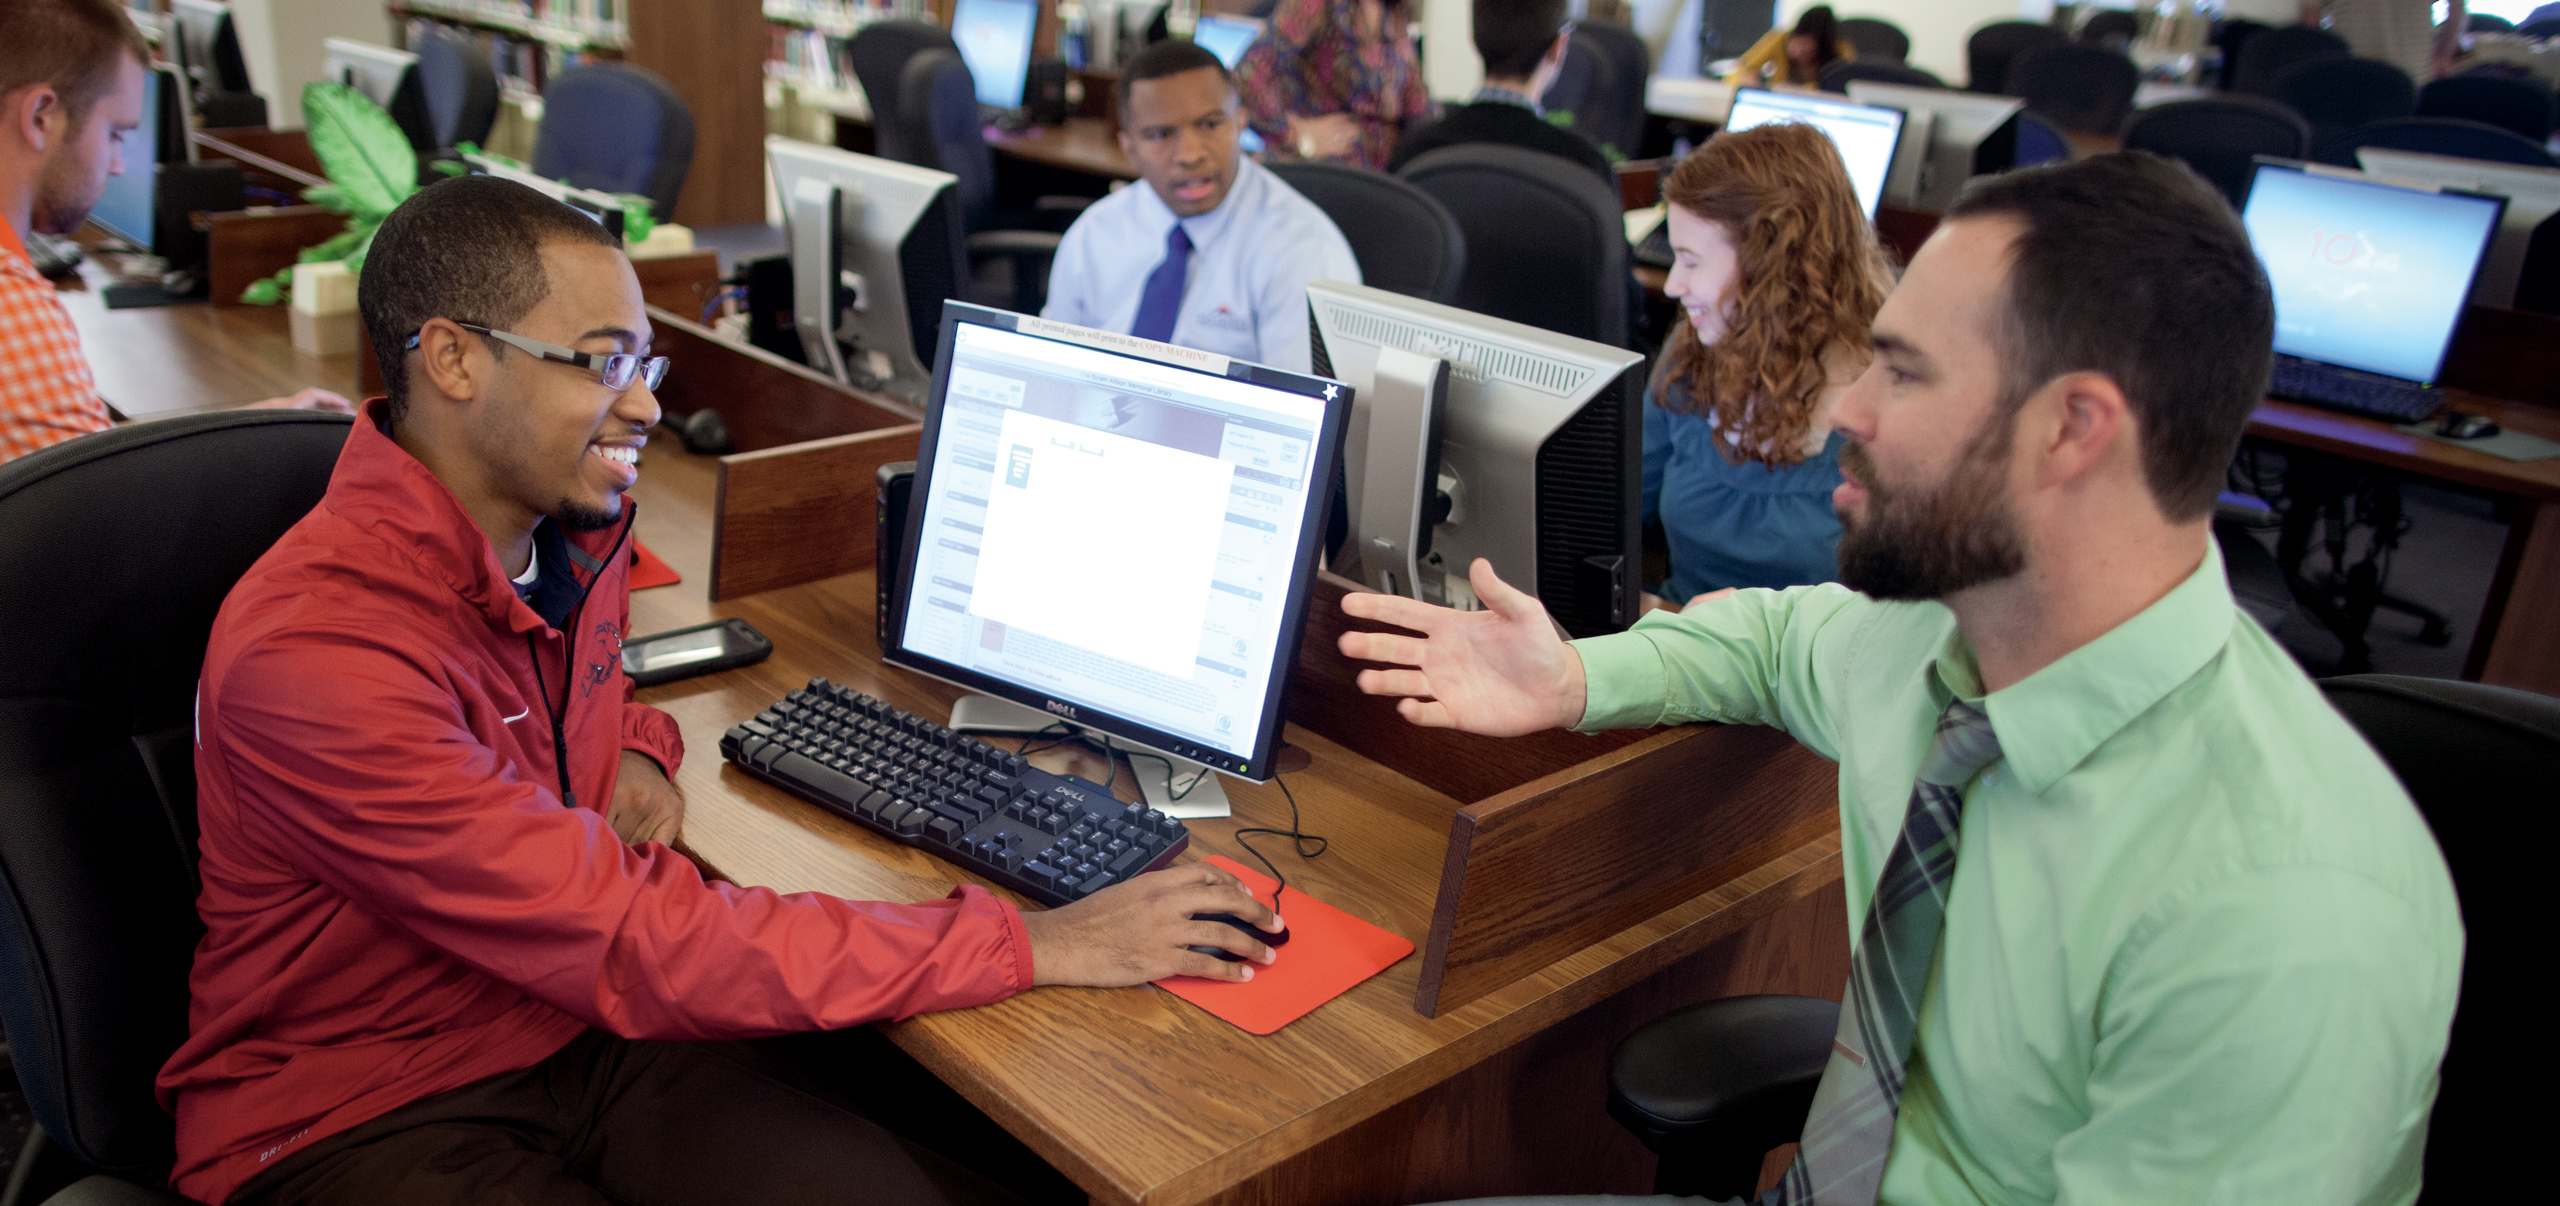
[(2200, 946)]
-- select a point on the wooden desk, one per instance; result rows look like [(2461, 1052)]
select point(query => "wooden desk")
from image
[(198, 356), (1084, 144)]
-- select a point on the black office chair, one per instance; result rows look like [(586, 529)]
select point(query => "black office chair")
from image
[(1586, 92), (2220, 137), (1546, 242), (2519, 105), (461, 88), (97, 776), (2471, 755), (2547, 27), (1404, 241), (2271, 51), (2110, 29), (1988, 53), (2040, 141), (2484, 23), (1837, 75), (1009, 254), (2082, 88), (879, 52), (1618, 121), (2229, 37), (616, 128), (2436, 136), (1877, 41), (2338, 95)]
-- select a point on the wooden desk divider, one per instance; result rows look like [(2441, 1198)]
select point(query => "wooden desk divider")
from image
[(765, 400), (246, 246), (801, 512), (1570, 838)]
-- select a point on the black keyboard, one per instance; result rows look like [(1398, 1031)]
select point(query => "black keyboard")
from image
[(2387, 398), (1053, 838)]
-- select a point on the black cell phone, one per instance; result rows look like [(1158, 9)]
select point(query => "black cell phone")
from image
[(667, 656)]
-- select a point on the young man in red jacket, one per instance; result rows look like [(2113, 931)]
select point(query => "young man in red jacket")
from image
[(446, 949)]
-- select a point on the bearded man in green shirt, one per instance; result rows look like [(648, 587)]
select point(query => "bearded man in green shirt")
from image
[(2155, 924)]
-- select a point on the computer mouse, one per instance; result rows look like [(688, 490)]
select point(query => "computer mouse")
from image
[(2461, 426), (1219, 952)]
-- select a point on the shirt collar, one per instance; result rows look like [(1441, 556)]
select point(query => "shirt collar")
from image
[(9, 241), (1205, 229), (1494, 95), (2051, 720)]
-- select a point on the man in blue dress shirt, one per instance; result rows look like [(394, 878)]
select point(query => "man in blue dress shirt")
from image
[(1214, 253)]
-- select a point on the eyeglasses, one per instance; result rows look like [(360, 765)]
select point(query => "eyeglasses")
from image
[(617, 369)]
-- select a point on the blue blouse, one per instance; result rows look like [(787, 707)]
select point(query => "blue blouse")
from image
[(1736, 525)]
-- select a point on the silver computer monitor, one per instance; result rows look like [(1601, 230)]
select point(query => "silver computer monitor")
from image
[(2532, 193), (1051, 450), (876, 247), (1539, 455), (2367, 275), (995, 41), (208, 46), (390, 77), (1969, 133), (1226, 37), (1867, 135), (605, 208)]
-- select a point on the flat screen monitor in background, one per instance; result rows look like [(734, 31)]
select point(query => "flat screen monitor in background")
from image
[(208, 45), (1867, 135), (2532, 193), (388, 76), (1538, 449), (876, 247), (1050, 451), (2367, 275), (127, 207), (605, 208), (1226, 37), (1969, 134), (995, 40)]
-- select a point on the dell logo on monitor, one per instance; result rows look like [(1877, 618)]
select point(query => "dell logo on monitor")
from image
[(1066, 710)]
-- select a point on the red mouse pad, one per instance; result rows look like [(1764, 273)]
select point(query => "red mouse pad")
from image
[(1328, 952), (647, 570)]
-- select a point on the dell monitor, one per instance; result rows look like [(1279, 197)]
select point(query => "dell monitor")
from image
[(875, 246), (1539, 452), (2367, 275), (605, 208), (1969, 134), (390, 77), (208, 45), (1226, 37), (1866, 135), (2532, 193), (994, 37), (1054, 455)]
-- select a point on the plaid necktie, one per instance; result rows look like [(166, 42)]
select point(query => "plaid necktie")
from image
[(1160, 303), (1850, 1130)]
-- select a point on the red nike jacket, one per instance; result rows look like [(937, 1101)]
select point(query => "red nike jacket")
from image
[(397, 903)]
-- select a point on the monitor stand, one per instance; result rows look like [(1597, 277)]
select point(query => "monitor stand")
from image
[(1202, 794)]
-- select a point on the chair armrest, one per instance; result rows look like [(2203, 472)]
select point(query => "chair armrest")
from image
[(1015, 243), (108, 1191), (1061, 204), (1711, 1088)]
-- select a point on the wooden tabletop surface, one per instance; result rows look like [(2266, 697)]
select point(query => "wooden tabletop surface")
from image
[(1083, 144), (163, 359)]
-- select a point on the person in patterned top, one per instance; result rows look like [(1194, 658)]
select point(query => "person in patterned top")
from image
[(1335, 80), (71, 78)]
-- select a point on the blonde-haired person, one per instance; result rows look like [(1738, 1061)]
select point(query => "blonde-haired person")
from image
[(1778, 274)]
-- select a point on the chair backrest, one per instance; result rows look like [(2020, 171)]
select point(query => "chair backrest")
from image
[(1585, 89), (879, 54), (2338, 95), (1988, 53), (1837, 74), (1404, 241), (938, 128), (2230, 36), (2474, 758), (1630, 63), (1546, 242), (2540, 27), (2436, 136), (2040, 141), (2081, 88), (118, 548), (461, 87), (2485, 23), (1876, 40), (2111, 28), (2220, 137), (2273, 50), (2519, 105), (617, 129)]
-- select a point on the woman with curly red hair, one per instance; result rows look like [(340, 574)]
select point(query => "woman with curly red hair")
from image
[(1778, 274)]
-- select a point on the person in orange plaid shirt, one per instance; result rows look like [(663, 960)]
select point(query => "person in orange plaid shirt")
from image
[(70, 91)]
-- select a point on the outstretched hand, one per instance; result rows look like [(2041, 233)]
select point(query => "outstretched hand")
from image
[(1501, 672)]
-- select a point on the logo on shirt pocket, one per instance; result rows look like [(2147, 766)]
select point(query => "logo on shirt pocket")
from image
[(1224, 319)]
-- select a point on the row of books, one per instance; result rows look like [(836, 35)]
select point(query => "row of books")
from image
[(523, 64), (840, 17), (811, 58)]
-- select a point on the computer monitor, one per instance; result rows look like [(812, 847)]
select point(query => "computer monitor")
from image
[(1969, 134), (995, 41), (876, 246), (2367, 275), (1867, 135), (1539, 451), (388, 76), (605, 208), (1225, 37), (1115, 534), (208, 45), (2532, 193)]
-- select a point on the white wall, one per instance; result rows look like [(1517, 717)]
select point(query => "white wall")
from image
[(281, 41)]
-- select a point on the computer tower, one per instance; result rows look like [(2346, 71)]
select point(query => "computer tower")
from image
[(897, 484), (1044, 93)]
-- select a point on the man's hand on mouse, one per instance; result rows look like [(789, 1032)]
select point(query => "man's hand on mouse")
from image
[(1135, 932)]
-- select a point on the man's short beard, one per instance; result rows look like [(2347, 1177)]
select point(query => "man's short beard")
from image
[(579, 517), (1931, 545), (59, 208)]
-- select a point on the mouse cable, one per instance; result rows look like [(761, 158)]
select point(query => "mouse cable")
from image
[(1172, 792), (1298, 840)]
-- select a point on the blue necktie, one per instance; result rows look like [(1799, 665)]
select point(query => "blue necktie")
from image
[(1161, 303)]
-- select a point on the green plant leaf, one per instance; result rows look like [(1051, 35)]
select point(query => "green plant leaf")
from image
[(355, 258), (449, 167), (268, 290), (338, 246), (329, 197), (366, 156), (637, 222)]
